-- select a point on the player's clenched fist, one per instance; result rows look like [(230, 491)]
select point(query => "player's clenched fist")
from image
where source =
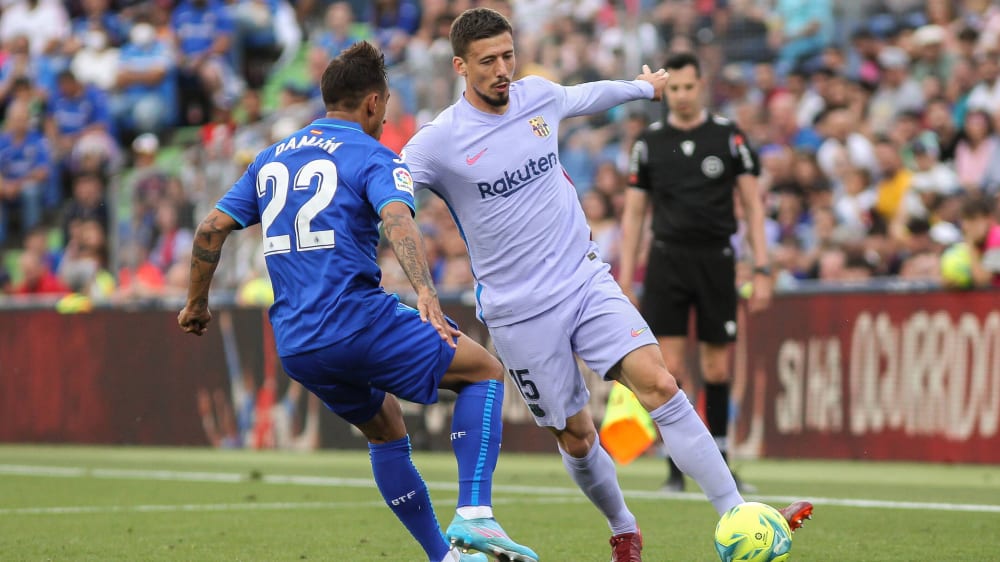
[(194, 321)]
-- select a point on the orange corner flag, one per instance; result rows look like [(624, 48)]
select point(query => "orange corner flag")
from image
[(627, 430)]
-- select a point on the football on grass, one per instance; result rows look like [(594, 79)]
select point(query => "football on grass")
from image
[(753, 532)]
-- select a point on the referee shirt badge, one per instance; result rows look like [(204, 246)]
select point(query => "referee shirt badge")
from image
[(539, 126), (712, 166), (687, 147)]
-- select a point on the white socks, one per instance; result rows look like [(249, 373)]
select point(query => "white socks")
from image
[(475, 511)]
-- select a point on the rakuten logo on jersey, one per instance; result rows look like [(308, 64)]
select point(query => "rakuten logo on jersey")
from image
[(512, 181)]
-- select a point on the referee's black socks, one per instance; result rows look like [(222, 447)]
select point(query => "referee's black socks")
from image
[(717, 412)]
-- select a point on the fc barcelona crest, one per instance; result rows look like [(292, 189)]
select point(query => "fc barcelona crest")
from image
[(539, 126)]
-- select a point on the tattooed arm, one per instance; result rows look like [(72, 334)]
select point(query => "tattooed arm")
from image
[(212, 233), (404, 235)]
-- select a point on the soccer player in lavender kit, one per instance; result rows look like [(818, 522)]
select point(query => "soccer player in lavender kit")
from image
[(319, 195), (541, 287)]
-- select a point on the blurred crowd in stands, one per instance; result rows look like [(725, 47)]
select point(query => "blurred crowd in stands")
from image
[(123, 121)]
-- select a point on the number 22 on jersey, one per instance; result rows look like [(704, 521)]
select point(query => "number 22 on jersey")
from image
[(276, 174)]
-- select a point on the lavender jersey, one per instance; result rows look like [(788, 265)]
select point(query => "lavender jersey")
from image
[(515, 206)]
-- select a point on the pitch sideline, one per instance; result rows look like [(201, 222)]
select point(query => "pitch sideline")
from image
[(300, 480)]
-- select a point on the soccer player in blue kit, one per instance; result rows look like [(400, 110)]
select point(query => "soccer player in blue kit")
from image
[(542, 289), (319, 195)]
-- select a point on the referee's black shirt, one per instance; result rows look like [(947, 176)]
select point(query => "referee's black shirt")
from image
[(690, 176)]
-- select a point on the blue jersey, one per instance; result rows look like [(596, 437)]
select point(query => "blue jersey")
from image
[(74, 114), (18, 159), (318, 194), (137, 58), (111, 23), (197, 28)]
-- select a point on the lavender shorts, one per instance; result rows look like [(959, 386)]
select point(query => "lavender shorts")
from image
[(596, 323)]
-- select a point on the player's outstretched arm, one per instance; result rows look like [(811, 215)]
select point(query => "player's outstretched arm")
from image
[(205, 253), (404, 235), (658, 80), (594, 97)]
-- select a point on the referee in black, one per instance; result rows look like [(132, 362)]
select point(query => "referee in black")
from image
[(687, 166)]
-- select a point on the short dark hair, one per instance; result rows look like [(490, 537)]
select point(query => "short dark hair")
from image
[(855, 259), (968, 34), (475, 24), (356, 72), (826, 112), (678, 61), (824, 71), (976, 206)]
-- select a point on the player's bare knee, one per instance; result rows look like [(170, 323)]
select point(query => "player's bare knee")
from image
[(655, 391), (493, 369), (576, 443), (387, 424), (382, 433), (715, 363), (579, 435), (487, 368), (715, 370)]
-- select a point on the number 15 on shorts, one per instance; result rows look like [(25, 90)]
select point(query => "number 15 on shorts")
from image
[(528, 389)]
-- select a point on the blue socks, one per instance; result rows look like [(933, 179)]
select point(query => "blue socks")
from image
[(406, 494), (476, 431)]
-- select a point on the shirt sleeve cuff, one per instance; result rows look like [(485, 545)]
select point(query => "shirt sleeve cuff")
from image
[(390, 200), (233, 215), (645, 87)]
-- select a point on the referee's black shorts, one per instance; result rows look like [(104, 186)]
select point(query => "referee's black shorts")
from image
[(679, 277)]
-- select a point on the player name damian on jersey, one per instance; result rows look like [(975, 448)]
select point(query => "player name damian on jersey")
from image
[(317, 195), (512, 181), (327, 144)]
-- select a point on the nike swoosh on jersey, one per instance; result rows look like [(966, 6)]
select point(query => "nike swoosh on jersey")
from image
[(474, 159), (637, 333)]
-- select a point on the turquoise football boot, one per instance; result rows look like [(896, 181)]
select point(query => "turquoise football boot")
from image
[(472, 557), (487, 536)]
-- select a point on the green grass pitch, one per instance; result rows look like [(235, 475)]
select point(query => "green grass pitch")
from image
[(101, 503)]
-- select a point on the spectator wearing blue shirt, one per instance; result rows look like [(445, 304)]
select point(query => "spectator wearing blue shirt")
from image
[(41, 69), (97, 15), (75, 109), (256, 41), (394, 22), (16, 65), (204, 34), (338, 31), (807, 27), (255, 20), (76, 112), (145, 98), (24, 170)]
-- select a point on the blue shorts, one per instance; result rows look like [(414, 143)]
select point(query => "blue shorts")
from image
[(397, 354)]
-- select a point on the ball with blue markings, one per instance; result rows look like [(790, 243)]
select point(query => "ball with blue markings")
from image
[(753, 532)]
